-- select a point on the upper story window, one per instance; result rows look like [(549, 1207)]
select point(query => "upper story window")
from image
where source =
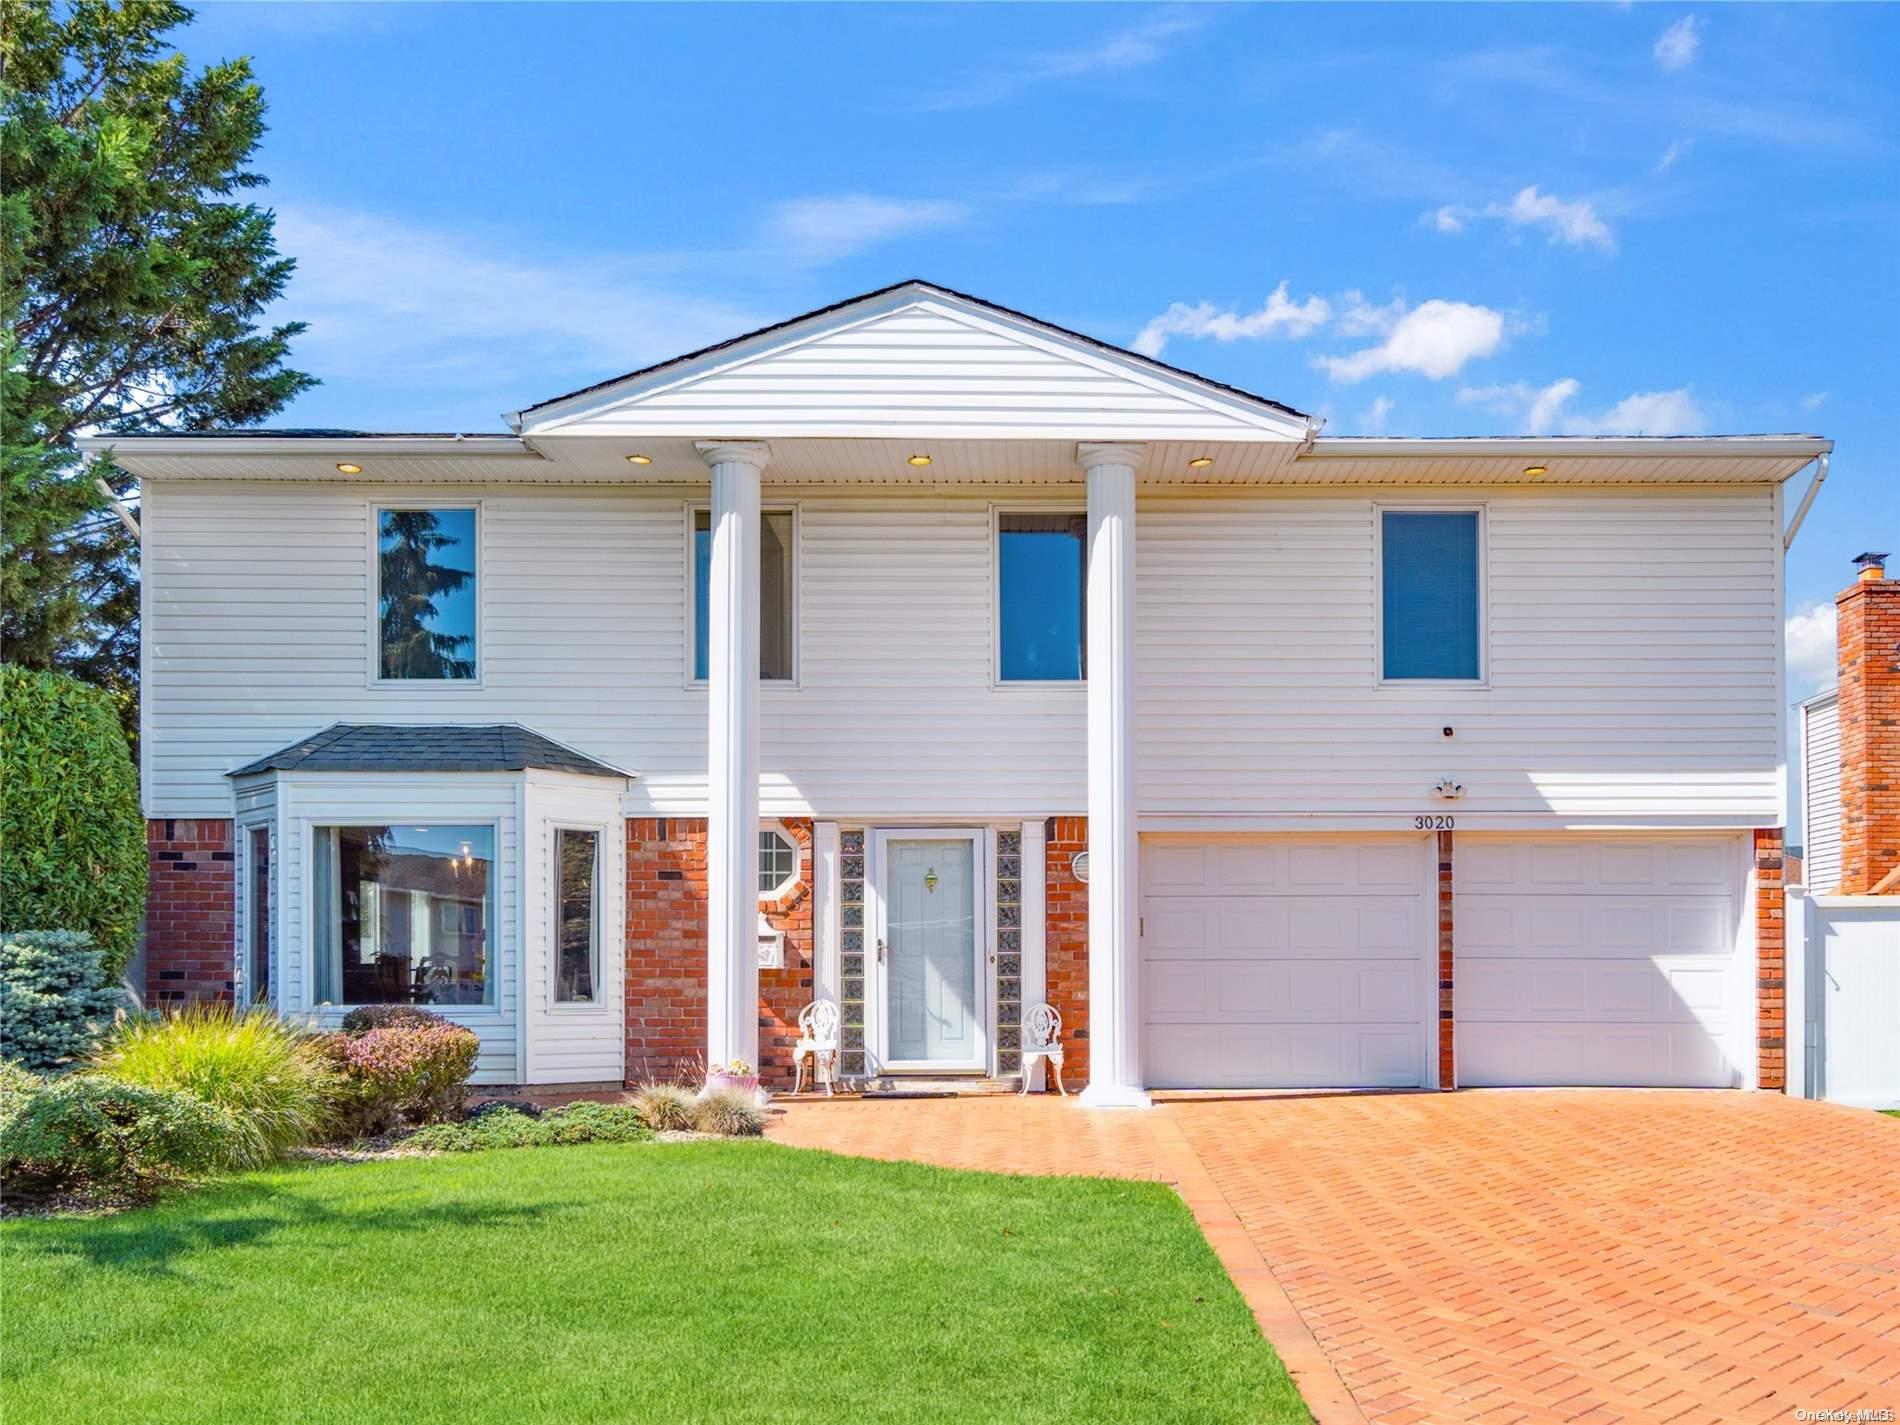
[(776, 611), (1431, 605), (404, 914), (1040, 597), (426, 594)]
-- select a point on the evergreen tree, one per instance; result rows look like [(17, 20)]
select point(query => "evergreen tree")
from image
[(132, 275)]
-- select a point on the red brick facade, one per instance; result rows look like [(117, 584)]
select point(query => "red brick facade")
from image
[(1869, 633), (1770, 943), (190, 912), (666, 954), (1447, 1018), (1066, 944)]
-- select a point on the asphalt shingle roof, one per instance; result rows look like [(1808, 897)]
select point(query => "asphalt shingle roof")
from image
[(383, 747)]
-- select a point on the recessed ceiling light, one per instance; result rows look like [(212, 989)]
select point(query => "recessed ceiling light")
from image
[(918, 460), (1535, 470), (1200, 462), (349, 469), (639, 460)]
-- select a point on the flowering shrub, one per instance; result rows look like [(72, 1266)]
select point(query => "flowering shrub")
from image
[(401, 1073), (386, 1016)]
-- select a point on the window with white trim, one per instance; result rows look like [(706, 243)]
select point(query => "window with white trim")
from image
[(1431, 607), (577, 912), (777, 632), (404, 914), (1041, 600), (778, 863), (257, 914), (426, 610)]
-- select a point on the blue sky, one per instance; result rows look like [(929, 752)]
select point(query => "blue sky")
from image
[(1408, 219)]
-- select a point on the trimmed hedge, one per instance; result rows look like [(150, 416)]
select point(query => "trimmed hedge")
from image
[(72, 835), (55, 1000), (89, 1130)]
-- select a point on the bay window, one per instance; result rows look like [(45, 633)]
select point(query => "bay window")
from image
[(404, 914)]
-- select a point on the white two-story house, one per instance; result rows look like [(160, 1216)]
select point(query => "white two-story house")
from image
[(926, 658)]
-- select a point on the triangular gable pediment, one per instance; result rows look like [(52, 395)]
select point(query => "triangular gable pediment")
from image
[(916, 360)]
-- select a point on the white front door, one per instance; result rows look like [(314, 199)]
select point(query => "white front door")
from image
[(929, 956)]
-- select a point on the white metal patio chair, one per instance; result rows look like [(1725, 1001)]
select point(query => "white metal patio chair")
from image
[(1042, 1038), (818, 1037)]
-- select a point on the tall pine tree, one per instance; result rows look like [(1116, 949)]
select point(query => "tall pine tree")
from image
[(132, 275)]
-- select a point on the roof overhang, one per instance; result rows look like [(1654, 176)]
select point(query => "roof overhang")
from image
[(809, 461)]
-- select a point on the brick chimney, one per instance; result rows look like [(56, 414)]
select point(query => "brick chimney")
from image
[(1869, 622)]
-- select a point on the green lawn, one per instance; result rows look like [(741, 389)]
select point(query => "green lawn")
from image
[(678, 1282)]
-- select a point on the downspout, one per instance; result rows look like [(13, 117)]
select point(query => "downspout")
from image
[(1807, 500), (119, 508)]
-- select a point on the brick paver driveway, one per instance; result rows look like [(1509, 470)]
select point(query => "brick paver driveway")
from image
[(1504, 1256)]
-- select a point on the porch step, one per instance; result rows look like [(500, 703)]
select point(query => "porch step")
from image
[(909, 1086)]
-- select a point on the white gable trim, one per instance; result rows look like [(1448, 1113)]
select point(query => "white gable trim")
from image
[(1190, 405)]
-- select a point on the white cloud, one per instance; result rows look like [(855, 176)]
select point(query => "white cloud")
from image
[(1278, 316), (1373, 421), (1129, 48), (1812, 658), (820, 230), (1434, 339), (1814, 400), (1674, 154), (1545, 410), (1676, 47), (1574, 223), (1358, 317), (443, 303)]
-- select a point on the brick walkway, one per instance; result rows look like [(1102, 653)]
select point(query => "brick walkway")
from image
[(1503, 1256)]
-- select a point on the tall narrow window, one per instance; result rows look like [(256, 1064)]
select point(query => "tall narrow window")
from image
[(257, 914), (1429, 607), (425, 595), (1040, 597), (776, 631), (404, 914), (577, 951)]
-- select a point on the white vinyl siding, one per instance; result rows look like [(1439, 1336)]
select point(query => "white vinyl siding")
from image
[(1821, 796), (934, 369), (1632, 670), (1633, 655), (573, 1043)]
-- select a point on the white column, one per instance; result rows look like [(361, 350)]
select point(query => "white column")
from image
[(1114, 852), (732, 745)]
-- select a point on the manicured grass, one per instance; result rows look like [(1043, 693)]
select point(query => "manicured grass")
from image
[(706, 1282)]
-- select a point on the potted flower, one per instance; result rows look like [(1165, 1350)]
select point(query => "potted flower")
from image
[(737, 1076)]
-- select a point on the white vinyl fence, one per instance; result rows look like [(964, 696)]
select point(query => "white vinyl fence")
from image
[(1843, 998)]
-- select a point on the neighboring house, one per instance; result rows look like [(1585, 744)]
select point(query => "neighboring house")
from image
[(1821, 791), (945, 662), (1850, 745)]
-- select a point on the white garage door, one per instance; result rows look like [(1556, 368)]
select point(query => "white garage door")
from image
[(1284, 963), (1586, 960)]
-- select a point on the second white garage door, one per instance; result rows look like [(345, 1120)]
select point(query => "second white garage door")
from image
[(1592, 960), (1284, 963)]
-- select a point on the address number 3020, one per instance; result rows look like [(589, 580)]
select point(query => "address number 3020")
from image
[(1433, 823)]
